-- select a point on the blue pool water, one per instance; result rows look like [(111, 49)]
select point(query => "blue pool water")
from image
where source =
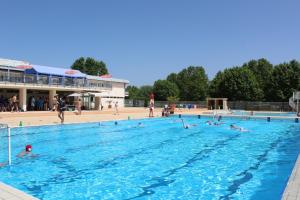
[(159, 160)]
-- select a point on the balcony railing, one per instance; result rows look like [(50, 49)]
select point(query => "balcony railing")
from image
[(56, 81)]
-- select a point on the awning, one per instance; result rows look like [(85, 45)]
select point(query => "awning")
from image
[(54, 71)]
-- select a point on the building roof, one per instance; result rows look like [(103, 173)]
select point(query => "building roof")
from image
[(33, 69), (55, 71), (107, 79), (12, 63)]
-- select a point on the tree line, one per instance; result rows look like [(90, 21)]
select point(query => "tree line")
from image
[(256, 80)]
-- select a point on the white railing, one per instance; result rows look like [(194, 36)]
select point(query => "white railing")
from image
[(295, 97), (5, 126)]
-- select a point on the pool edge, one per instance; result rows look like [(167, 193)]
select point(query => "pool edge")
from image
[(10, 193), (292, 189)]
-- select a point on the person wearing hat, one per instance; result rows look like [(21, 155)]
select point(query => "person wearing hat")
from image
[(26, 151)]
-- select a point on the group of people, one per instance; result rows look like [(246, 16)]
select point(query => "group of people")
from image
[(34, 104), (9, 104), (215, 123), (38, 104)]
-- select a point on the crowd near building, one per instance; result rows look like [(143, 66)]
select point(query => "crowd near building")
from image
[(25, 86)]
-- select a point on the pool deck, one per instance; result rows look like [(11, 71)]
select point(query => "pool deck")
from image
[(36, 118), (292, 190), (10, 193)]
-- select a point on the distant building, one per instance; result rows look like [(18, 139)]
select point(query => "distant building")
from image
[(26, 80)]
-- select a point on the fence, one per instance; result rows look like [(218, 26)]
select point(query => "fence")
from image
[(259, 106), (160, 104), (234, 105)]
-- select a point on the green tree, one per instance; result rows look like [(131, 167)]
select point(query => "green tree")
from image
[(90, 66), (285, 80), (214, 86), (163, 89), (133, 92), (172, 77), (192, 83), (262, 70), (238, 83), (145, 91)]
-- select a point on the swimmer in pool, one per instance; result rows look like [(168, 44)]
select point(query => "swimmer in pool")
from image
[(218, 123), (187, 126), (140, 125), (233, 127), (26, 152), (208, 122)]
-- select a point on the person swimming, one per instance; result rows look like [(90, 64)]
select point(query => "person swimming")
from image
[(27, 151), (187, 126), (116, 123), (208, 122), (233, 127), (139, 125)]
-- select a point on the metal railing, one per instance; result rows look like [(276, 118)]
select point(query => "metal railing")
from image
[(56, 81)]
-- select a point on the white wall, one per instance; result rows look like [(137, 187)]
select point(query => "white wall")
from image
[(116, 94)]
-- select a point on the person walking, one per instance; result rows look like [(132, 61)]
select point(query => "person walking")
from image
[(116, 108), (61, 109), (78, 107)]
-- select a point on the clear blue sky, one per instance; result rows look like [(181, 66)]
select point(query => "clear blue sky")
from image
[(145, 40)]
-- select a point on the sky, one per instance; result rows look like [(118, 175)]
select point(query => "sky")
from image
[(145, 40)]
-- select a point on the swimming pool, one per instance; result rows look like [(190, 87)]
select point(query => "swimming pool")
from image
[(159, 160)]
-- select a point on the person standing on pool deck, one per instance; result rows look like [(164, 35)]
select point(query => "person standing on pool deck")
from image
[(116, 108), (62, 109), (151, 105), (78, 107)]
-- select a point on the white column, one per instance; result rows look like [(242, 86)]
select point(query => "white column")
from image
[(52, 93), (23, 98)]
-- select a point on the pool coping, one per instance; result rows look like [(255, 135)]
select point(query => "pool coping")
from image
[(10, 193), (177, 114), (292, 189)]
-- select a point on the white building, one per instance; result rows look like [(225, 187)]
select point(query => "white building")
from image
[(27, 80)]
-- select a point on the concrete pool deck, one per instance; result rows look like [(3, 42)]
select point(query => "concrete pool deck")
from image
[(292, 190), (47, 117), (10, 193)]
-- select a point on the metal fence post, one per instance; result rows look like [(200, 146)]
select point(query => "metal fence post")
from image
[(9, 146)]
